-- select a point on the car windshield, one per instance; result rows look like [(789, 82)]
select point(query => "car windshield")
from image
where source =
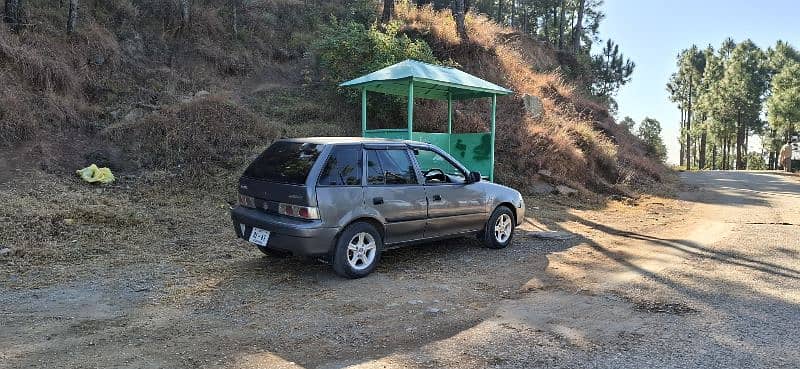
[(429, 160), (284, 162)]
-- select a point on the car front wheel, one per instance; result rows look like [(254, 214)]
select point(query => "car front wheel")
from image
[(358, 250), (499, 229)]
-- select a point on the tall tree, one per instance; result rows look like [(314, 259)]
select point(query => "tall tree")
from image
[(627, 123), (72, 16), (744, 84), (458, 15), (578, 30), (650, 133), (685, 86), (780, 57), (388, 10), (611, 70), (782, 54), (783, 105)]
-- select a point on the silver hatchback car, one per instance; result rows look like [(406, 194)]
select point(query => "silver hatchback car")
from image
[(349, 199)]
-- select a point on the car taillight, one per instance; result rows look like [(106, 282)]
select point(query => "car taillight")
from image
[(247, 201), (296, 211)]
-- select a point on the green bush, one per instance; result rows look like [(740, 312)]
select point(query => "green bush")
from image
[(755, 161), (348, 50)]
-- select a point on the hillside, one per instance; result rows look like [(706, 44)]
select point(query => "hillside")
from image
[(135, 89)]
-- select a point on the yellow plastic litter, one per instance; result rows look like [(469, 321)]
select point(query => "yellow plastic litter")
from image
[(94, 174)]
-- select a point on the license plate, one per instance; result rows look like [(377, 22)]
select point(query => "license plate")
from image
[(259, 236)]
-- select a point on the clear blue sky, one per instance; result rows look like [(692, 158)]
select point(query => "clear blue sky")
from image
[(651, 33)]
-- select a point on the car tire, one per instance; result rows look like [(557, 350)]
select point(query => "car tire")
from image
[(274, 253), (499, 230), (358, 250)]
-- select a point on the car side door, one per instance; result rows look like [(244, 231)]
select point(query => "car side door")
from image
[(394, 191), (454, 205), (339, 188)]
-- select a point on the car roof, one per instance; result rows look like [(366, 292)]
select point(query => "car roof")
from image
[(352, 140)]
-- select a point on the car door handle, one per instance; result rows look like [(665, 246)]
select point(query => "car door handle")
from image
[(377, 200), (437, 198)]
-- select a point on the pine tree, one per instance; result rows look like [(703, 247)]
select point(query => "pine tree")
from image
[(783, 105), (628, 123), (650, 133), (744, 84), (611, 71)]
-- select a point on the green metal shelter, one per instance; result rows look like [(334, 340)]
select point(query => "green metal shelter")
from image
[(416, 79)]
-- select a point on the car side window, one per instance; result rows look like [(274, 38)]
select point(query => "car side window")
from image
[(343, 168), (437, 169), (390, 167)]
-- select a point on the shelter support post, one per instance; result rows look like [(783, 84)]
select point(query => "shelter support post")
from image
[(494, 113), (410, 108), (449, 113), (363, 112)]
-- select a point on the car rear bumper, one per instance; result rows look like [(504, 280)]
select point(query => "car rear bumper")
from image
[(295, 236)]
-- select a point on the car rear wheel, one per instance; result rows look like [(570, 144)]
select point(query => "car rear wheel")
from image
[(499, 229), (358, 250)]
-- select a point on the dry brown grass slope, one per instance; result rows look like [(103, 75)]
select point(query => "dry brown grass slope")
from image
[(121, 92), (574, 138)]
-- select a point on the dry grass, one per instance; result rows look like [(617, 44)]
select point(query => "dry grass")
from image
[(125, 56), (41, 69), (574, 137), (194, 135)]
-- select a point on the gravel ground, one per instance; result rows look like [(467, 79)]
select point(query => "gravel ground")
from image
[(708, 281)]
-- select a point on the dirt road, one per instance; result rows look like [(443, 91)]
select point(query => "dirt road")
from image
[(708, 281)]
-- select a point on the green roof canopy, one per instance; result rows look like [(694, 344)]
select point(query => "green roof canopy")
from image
[(430, 82)]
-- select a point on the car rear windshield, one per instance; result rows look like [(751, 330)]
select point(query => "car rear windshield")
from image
[(284, 162)]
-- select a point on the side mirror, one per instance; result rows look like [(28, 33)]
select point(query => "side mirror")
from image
[(473, 177)]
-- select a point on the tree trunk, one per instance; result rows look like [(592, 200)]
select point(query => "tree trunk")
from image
[(12, 11), (702, 163), (725, 154), (458, 15), (500, 12), (513, 12), (72, 18), (185, 12), (682, 156), (689, 127), (235, 4), (714, 157), (577, 32), (388, 10), (739, 141), (745, 148), (561, 26)]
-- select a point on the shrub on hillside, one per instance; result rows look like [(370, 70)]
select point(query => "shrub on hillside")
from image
[(205, 132), (348, 50)]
